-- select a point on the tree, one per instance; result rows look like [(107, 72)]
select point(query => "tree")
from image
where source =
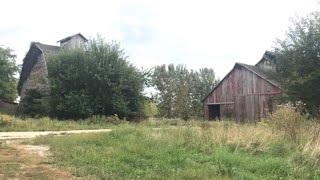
[(98, 81), (204, 80), (8, 69), (180, 90), (297, 61), (163, 81)]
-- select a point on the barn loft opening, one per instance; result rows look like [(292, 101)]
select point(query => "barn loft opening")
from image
[(214, 111)]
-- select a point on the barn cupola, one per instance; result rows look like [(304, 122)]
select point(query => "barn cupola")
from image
[(267, 62), (73, 42)]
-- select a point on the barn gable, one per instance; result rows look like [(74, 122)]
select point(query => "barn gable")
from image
[(244, 93), (34, 70), (266, 62), (34, 66)]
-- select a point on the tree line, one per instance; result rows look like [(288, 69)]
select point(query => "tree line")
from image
[(100, 80)]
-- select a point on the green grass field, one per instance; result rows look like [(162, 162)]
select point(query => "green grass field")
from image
[(192, 150), (11, 123)]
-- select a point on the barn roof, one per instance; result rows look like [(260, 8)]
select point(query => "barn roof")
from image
[(268, 55), (260, 73), (9, 102), (47, 48), (251, 68), (36, 49), (69, 37)]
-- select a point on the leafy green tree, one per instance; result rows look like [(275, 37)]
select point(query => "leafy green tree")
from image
[(163, 81), (180, 90), (297, 61), (150, 109), (8, 69), (97, 81), (204, 82)]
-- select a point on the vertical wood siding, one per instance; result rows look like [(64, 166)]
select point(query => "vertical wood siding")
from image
[(36, 79), (248, 94)]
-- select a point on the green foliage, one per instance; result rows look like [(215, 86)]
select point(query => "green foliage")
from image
[(298, 60), (33, 104), (150, 109), (98, 81), (8, 69), (180, 90)]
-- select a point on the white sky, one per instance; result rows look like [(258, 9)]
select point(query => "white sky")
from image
[(198, 33)]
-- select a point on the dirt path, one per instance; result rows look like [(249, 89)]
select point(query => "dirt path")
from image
[(19, 160)]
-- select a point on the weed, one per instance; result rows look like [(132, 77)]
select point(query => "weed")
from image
[(190, 150)]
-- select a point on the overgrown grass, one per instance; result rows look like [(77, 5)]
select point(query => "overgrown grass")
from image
[(189, 150), (11, 123)]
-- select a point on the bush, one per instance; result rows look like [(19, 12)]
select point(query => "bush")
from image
[(5, 119), (33, 104), (287, 119), (113, 119), (98, 81)]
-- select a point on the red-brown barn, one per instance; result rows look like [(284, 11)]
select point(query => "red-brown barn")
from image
[(245, 93), (8, 105)]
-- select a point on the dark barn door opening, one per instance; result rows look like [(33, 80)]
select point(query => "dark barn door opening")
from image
[(214, 111)]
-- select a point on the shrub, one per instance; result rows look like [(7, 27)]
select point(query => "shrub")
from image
[(97, 81), (113, 119), (287, 119), (5, 119), (33, 104)]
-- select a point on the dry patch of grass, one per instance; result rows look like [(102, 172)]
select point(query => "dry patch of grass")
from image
[(19, 161)]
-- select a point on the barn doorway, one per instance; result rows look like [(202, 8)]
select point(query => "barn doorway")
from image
[(214, 111)]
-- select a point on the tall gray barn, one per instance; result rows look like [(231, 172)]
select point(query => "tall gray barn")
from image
[(34, 70)]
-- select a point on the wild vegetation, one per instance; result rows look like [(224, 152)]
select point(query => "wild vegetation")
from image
[(180, 91), (193, 150), (8, 69), (83, 83), (297, 62), (12, 123)]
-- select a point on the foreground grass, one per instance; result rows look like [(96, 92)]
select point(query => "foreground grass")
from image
[(194, 150)]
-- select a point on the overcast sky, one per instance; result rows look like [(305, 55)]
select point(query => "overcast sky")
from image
[(199, 33)]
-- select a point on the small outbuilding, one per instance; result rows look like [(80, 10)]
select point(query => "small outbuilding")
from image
[(246, 93)]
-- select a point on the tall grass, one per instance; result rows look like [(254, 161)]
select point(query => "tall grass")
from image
[(190, 150), (12, 123)]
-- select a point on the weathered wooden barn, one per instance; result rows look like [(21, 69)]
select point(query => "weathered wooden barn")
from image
[(8, 105), (34, 70), (245, 93)]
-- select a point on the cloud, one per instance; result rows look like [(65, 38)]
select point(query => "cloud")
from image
[(198, 33)]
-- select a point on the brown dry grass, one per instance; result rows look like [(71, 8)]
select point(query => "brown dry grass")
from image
[(18, 163)]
